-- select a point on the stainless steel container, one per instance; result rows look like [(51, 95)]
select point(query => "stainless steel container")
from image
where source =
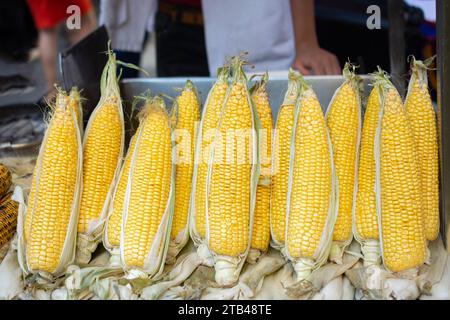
[(324, 86)]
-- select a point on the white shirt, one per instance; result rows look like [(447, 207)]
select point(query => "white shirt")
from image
[(261, 27)]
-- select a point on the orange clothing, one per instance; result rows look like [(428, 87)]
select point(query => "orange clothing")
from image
[(50, 13)]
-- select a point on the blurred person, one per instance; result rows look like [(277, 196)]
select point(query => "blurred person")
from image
[(277, 35), (193, 37), (48, 16)]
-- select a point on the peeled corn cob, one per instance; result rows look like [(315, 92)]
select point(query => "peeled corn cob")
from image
[(366, 228), (399, 202), (148, 205), (261, 220), (311, 209), (233, 175), (344, 124), (52, 212), (102, 153), (187, 114), (280, 160), (5, 180), (8, 218), (206, 132), (422, 118)]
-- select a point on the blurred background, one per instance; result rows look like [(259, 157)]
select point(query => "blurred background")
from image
[(27, 53)]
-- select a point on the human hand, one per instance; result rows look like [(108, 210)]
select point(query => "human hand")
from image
[(312, 59)]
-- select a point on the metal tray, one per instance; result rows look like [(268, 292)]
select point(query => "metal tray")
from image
[(324, 86)]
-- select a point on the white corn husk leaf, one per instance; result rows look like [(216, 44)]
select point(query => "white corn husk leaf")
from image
[(156, 256), (290, 98), (333, 290), (304, 267), (348, 290), (319, 278), (109, 86), (185, 265), (338, 247), (11, 282), (228, 268), (68, 252), (250, 281)]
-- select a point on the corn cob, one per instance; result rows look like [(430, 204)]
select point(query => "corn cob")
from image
[(114, 220), (52, 211), (422, 118), (311, 210), (399, 201), (75, 105), (280, 160), (187, 114), (8, 218), (232, 186), (148, 205), (102, 152), (261, 223), (206, 133), (366, 222), (344, 124), (5, 180)]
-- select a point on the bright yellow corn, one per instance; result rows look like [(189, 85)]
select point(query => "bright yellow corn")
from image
[(281, 154), (402, 226), (49, 210), (101, 155), (102, 148), (8, 218), (187, 115), (31, 199), (150, 184), (230, 192), (311, 181), (5, 180), (422, 118), (343, 120), (366, 220), (115, 220), (261, 223), (209, 125)]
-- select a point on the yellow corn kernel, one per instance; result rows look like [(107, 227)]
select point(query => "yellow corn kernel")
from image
[(8, 218), (229, 196), (5, 180), (343, 124), (115, 219), (280, 177), (209, 126), (102, 146), (311, 181), (402, 226), (261, 223), (422, 119), (52, 204), (188, 114), (366, 220), (281, 156), (150, 186)]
